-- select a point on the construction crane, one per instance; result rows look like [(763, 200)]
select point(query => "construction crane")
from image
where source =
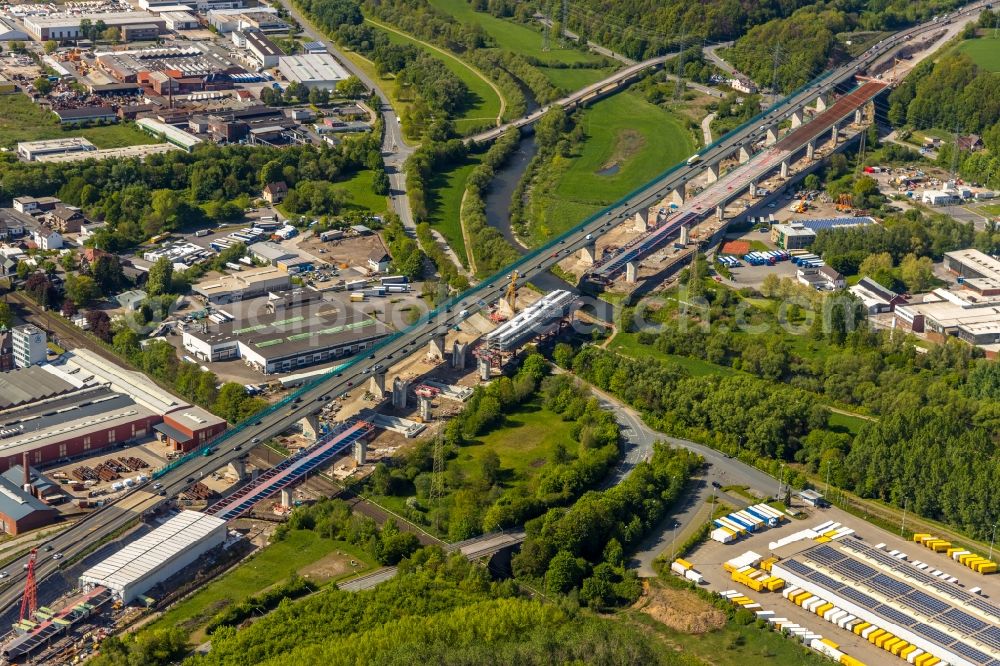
[(511, 294), (29, 602)]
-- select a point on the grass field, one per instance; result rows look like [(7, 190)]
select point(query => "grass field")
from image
[(523, 443), (984, 51), (512, 36), (989, 209), (273, 565), (445, 200), (574, 79), (629, 345), (484, 102), (628, 142), (360, 189), (22, 120), (846, 423)]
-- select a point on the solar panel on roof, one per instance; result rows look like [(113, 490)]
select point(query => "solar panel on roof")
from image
[(924, 602), (933, 634), (859, 597), (825, 580), (825, 554), (959, 619), (990, 636), (972, 653), (895, 615), (890, 587), (797, 567), (984, 606)]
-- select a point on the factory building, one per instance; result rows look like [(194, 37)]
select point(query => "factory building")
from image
[(972, 263), (33, 150), (66, 27), (314, 70), (263, 49), (156, 557), (189, 428), (243, 285), (20, 510), (285, 341)]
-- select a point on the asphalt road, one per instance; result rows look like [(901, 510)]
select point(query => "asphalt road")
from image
[(106, 521)]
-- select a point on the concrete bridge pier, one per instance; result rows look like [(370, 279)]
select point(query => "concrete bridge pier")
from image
[(310, 426), (631, 270), (677, 195), (822, 101), (720, 212), (753, 190), (361, 451), (458, 354), (810, 150), (640, 223), (796, 118), (772, 136), (588, 254), (784, 168), (485, 371), (858, 116), (684, 234), (238, 468), (400, 388), (377, 385), (744, 155), (713, 172), (435, 347), (834, 134)]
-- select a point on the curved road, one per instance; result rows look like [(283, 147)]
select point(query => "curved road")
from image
[(103, 523)]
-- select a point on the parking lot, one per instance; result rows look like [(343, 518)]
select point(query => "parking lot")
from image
[(709, 557), (81, 479)]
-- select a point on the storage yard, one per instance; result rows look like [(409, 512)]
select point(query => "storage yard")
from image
[(852, 591)]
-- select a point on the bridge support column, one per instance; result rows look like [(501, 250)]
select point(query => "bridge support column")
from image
[(424, 403), (377, 385), (713, 172), (720, 212), (286, 498), (361, 451), (772, 136), (784, 169), (744, 155), (485, 371), (631, 269), (684, 234), (796, 118), (810, 150), (588, 254), (834, 134), (753, 190), (640, 223), (400, 389), (435, 347), (310, 426), (858, 117), (677, 196), (238, 468), (822, 101), (458, 354)]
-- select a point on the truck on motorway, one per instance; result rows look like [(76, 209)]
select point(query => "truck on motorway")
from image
[(694, 159)]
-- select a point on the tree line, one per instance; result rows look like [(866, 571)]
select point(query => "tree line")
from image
[(488, 246)]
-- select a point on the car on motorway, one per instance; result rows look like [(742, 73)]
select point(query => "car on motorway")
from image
[(57, 556), (157, 486), (47, 549), (238, 447), (716, 484), (190, 479), (3, 574)]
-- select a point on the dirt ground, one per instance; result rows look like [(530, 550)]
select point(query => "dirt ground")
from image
[(680, 609), (331, 566)]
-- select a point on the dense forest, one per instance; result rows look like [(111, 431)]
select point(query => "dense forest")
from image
[(931, 444)]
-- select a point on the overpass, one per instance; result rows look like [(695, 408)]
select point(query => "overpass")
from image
[(78, 540), (591, 93)]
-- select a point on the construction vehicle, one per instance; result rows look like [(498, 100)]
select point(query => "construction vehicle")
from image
[(845, 202)]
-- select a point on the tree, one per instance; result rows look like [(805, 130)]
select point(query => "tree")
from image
[(380, 183), (111, 34), (352, 88), (811, 182), (270, 172), (917, 273), (879, 268), (564, 573), (108, 274), (81, 289), (319, 96), (161, 276), (99, 323), (50, 46), (6, 317), (866, 192), (43, 85)]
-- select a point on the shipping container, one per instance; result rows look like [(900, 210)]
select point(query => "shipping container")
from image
[(357, 296)]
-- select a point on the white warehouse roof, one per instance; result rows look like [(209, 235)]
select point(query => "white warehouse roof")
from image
[(157, 556)]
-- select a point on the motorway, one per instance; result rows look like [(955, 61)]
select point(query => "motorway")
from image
[(104, 522)]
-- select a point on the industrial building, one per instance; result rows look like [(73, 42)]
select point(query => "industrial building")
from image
[(972, 263), (269, 252), (285, 342), (314, 70), (893, 600), (157, 556), (180, 20), (20, 510), (243, 285), (171, 134), (262, 48), (30, 345), (800, 234), (140, 151), (66, 27), (189, 428), (965, 312), (532, 321), (33, 150), (876, 298), (10, 32)]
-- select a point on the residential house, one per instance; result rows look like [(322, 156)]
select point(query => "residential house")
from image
[(46, 238), (378, 261), (971, 143), (65, 219), (275, 192)]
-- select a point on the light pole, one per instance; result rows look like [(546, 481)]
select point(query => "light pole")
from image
[(990, 557), (904, 519)]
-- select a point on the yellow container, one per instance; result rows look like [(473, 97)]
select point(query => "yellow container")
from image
[(918, 538), (683, 563), (877, 634), (823, 608), (766, 564), (891, 643), (905, 652), (861, 626), (821, 539), (883, 639), (954, 549), (827, 641), (898, 648), (988, 568), (775, 584), (847, 660)]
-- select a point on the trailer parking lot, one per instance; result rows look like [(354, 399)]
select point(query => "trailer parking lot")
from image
[(871, 579)]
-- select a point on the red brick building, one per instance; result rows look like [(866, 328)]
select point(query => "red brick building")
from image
[(189, 428)]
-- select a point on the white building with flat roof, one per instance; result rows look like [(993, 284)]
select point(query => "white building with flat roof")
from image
[(157, 556), (33, 150), (314, 70), (62, 27), (171, 134), (30, 345)]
